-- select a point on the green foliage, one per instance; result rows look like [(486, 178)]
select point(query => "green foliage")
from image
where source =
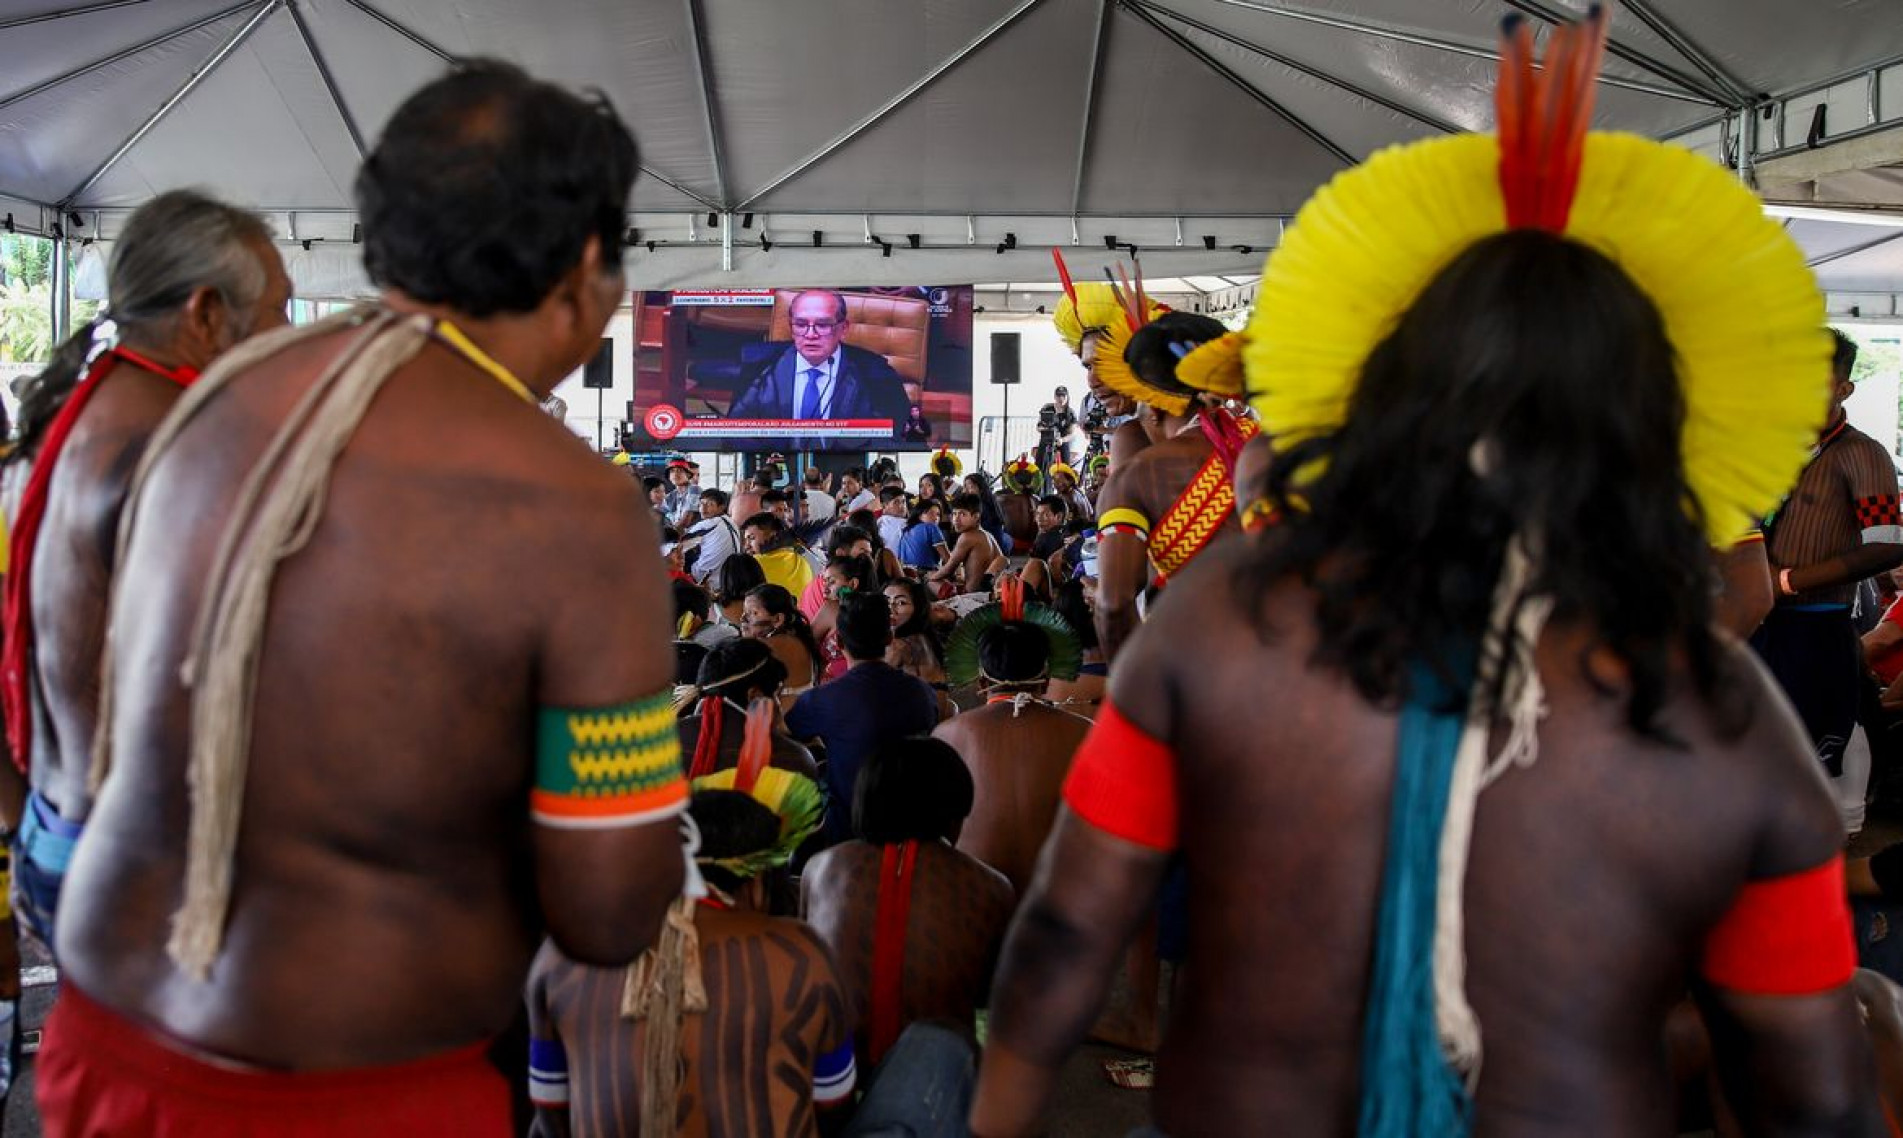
[(26, 299)]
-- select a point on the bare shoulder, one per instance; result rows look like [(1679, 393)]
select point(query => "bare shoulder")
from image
[(1797, 820)]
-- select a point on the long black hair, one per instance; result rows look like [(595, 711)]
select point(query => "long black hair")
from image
[(1530, 389), (1155, 349), (778, 602)]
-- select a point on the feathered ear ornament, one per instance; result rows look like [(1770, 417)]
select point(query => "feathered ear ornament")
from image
[(1544, 116)]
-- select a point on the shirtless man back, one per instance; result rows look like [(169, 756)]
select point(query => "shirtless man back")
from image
[(913, 793), (1165, 504), (975, 555), (1018, 748), (384, 664), (772, 1047), (189, 278), (1662, 808)]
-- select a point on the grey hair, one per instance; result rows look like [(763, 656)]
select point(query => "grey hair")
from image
[(172, 246), (178, 243), (839, 301)]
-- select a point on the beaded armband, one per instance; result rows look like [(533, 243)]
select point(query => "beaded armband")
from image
[(602, 767), (1126, 521)]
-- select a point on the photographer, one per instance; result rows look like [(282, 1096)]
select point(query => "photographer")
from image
[(1059, 436)]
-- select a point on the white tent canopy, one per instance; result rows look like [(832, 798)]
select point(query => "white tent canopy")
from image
[(967, 136)]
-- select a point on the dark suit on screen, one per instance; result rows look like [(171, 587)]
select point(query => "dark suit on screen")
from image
[(865, 387)]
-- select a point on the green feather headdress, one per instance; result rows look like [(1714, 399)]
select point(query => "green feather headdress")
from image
[(796, 799), (962, 667)]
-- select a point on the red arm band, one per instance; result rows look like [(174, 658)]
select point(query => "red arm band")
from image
[(1124, 783), (1786, 936)]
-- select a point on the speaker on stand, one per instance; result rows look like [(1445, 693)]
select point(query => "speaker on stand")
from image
[(598, 375), (1005, 359)]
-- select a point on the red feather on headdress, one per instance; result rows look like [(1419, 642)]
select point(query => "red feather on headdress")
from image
[(1544, 115), (756, 746), (1011, 597), (1063, 274)]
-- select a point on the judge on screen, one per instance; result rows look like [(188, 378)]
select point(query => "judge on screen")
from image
[(819, 375)]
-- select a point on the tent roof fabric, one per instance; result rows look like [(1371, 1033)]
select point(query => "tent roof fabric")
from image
[(998, 109)]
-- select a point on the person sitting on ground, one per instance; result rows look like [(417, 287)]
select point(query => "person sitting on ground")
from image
[(680, 506), (771, 616), (990, 514), (691, 606), (975, 557), (1084, 693), (894, 505), (913, 924), (842, 541), (731, 677), (780, 553), (190, 277), (1064, 487), (854, 494), (923, 548), (916, 649), (1051, 515), (820, 506), (885, 562), (1017, 745), (872, 703), (290, 915), (1367, 859), (844, 575), (735, 1023), (655, 487), (713, 536), (738, 576), (747, 496)]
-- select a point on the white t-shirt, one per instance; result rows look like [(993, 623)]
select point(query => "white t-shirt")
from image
[(891, 529), (821, 506)]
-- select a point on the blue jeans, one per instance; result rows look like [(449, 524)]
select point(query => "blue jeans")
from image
[(44, 848), (922, 1088)]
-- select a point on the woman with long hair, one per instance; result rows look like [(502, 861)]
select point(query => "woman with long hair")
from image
[(916, 649), (770, 614), (738, 575), (844, 574)]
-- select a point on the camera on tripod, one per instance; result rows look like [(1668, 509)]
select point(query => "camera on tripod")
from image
[(1047, 422)]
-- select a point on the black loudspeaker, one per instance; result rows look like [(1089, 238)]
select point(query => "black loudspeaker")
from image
[(1004, 357), (599, 373)]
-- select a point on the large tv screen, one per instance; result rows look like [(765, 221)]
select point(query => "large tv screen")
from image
[(816, 369)]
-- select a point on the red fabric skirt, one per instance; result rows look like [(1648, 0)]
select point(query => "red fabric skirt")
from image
[(100, 1075)]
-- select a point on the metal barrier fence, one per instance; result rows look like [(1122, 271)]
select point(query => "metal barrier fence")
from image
[(1002, 439)]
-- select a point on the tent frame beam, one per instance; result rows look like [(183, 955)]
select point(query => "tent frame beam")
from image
[(1740, 93), (45, 85), (1329, 78), (437, 50), (67, 13), (1099, 47), (905, 96), (1341, 23), (1862, 247), (330, 80), (704, 77), (1708, 87), (232, 43), (1241, 84)]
